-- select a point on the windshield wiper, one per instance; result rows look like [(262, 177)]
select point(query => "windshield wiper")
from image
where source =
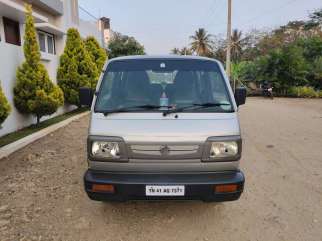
[(134, 108), (194, 106)]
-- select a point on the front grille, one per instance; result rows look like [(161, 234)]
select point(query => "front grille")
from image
[(164, 151)]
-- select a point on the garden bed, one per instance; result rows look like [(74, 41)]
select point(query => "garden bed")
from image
[(14, 136)]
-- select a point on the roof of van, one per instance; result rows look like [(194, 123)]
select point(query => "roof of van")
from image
[(140, 57)]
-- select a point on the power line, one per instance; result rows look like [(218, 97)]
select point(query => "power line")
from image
[(87, 12), (284, 5), (220, 5), (208, 13), (212, 9), (222, 24), (271, 10)]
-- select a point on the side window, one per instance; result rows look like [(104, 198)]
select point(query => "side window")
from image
[(111, 80), (11, 31), (218, 88), (46, 42), (42, 42), (50, 44)]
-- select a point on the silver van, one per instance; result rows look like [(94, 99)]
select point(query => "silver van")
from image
[(163, 128)]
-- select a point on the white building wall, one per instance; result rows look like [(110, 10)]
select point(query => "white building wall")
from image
[(87, 28), (11, 56)]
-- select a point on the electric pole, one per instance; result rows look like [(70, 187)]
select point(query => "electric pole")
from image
[(228, 64)]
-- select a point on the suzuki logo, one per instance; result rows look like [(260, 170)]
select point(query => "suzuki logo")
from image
[(165, 150)]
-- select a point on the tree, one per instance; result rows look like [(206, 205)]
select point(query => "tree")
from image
[(34, 92), (286, 35), (219, 48), (185, 51), (4, 107), (250, 44), (95, 51), (76, 68), (122, 45), (245, 71), (315, 20), (312, 47), (288, 56), (175, 51), (312, 51), (284, 67), (317, 73), (201, 42), (236, 45)]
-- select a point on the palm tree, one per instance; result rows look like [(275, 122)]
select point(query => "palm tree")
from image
[(185, 51), (236, 45), (201, 42), (176, 51)]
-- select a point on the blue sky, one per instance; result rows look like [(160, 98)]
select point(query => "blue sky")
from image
[(161, 25)]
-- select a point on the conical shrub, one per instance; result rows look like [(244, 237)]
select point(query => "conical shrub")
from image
[(76, 68), (4, 107), (34, 92), (97, 54)]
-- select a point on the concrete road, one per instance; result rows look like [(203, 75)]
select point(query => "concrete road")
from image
[(42, 197)]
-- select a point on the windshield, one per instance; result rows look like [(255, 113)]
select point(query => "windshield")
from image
[(163, 84)]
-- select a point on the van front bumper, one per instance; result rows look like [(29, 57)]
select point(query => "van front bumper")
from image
[(132, 186)]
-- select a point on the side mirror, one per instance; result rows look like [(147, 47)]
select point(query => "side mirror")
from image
[(240, 95), (86, 96)]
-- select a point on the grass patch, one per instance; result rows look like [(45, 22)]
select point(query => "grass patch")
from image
[(14, 136)]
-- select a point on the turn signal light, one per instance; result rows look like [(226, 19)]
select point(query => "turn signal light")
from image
[(226, 188), (103, 188)]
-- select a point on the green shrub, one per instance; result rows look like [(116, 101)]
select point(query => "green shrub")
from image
[(34, 92), (317, 72), (293, 91), (283, 67), (290, 63), (302, 92), (320, 94), (97, 53), (4, 107), (308, 92), (76, 68)]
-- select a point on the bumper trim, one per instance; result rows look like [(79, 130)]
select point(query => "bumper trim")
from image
[(131, 186)]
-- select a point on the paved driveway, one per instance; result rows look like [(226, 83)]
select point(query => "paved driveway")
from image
[(42, 198)]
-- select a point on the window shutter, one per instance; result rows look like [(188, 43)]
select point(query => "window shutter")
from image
[(11, 31)]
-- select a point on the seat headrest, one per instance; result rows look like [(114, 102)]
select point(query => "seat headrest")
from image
[(184, 80), (138, 78), (138, 87)]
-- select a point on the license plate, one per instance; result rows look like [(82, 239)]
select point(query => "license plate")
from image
[(164, 191)]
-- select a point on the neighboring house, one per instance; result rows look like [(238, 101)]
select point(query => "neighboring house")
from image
[(52, 19), (105, 24)]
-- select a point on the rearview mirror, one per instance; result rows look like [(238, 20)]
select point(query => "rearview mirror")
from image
[(240, 95), (86, 96)]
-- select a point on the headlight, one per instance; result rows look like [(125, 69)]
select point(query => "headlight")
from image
[(223, 149), (106, 150)]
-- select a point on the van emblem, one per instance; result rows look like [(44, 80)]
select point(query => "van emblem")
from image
[(165, 150)]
